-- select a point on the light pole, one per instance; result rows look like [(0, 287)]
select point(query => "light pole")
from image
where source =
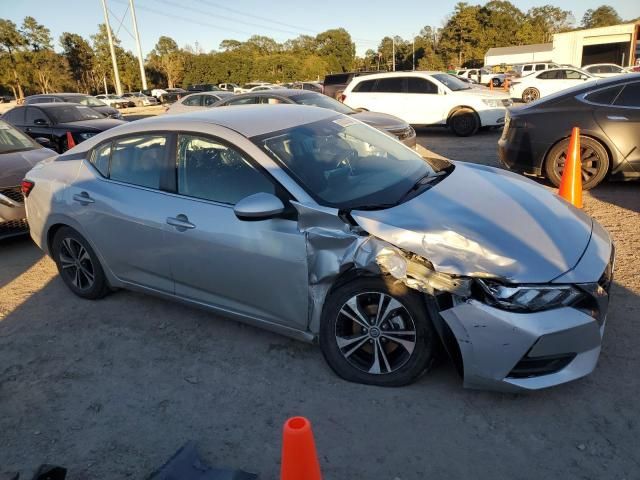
[(393, 49), (413, 53), (135, 31), (113, 50)]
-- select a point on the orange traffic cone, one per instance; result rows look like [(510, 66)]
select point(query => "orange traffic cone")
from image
[(299, 458), (70, 141), (571, 182), (506, 84), (491, 85)]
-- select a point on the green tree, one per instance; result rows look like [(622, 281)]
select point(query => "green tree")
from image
[(11, 43), (337, 49), (461, 39), (37, 36), (169, 59), (80, 57), (547, 20), (602, 16)]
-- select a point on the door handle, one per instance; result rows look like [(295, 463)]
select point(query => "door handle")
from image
[(181, 222), (83, 198), (618, 118), (27, 129)]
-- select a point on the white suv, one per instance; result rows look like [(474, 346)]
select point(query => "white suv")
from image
[(429, 98)]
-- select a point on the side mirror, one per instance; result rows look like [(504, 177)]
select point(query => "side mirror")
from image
[(45, 142), (259, 206), (40, 122)]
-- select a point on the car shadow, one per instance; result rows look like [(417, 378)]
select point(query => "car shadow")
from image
[(17, 255), (111, 388), (623, 194)]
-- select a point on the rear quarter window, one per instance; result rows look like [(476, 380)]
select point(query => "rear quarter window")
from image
[(100, 159), (603, 97), (364, 87)]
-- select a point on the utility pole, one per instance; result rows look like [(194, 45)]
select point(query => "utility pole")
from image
[(114, 60), (393, 49), (413, 53), (135, 31)]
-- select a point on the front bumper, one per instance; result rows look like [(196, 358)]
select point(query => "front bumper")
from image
[(513, 352), (492, 117), (11, 205)]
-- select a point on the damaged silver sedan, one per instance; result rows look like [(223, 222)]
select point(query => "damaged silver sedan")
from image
[(317, 226)]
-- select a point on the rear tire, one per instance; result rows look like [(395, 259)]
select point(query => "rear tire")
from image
[(595, 162), (530, 95), (464, 122), (78, 264), (361, 345)]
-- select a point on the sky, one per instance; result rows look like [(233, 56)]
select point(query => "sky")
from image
[(208, 22)]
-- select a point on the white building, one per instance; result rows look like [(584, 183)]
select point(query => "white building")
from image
[(538, 52), (619, 44)]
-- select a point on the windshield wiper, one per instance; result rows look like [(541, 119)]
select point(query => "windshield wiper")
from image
[(427, 179)]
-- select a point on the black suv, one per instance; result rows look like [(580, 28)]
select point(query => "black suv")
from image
[(335, 83)]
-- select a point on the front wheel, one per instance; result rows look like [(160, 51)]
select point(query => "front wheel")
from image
[(464, 122), (496, 82), (594, 157), (378, 332)]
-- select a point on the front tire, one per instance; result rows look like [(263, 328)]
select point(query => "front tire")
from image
[(378, 332), (464, 122), (78, 264), (594, 157)]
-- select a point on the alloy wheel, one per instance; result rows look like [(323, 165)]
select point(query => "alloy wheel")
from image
[(76, 264), (375, 333), (530, 95), (591, 163)]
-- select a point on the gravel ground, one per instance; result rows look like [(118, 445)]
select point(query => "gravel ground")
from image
[(110, 389)]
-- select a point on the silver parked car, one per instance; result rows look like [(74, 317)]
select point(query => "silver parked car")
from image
[(18, 154), (197, 101), (315, 225)]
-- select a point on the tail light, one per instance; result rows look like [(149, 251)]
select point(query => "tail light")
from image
[(343, 97), (26, 186)]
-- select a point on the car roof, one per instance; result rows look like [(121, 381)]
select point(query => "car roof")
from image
[(59, 95), (281, 92), (248, 120), (409, 73), (601, 64), (50, 105)]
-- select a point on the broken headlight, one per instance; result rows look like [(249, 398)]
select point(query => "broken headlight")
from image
[(527, 298)]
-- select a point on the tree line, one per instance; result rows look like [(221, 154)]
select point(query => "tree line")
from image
[(29, 63)]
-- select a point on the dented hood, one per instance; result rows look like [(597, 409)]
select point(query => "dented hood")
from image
[(482, 221)]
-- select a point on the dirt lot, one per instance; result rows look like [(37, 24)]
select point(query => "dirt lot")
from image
[(110, 389)]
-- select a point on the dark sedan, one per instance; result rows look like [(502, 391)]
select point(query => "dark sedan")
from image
[(386, 123), (536, 136), (18, 155), (49, 123), (80, 98)]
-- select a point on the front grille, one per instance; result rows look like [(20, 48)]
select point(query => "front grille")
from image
[(537, 366), (403, 133), (13, 227), (14, 193)]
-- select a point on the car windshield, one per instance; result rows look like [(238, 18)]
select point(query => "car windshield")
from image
[(319, 100), (344, 163), (13, 140), (73, 113), (88, 101), (451, 81)]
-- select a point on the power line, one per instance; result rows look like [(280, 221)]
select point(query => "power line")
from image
[(121, 22)]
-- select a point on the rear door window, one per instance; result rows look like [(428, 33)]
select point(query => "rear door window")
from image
[(603, 97), (208, 100), (630, 96), (391, 85), (540, 67), (139, 160), (242, 101), (100, 159), (365, 86)]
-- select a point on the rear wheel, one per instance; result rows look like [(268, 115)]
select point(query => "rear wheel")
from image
[(594, 157), (530, 95), (464, 122), (377, 332), (496, 82), (78, 264)]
